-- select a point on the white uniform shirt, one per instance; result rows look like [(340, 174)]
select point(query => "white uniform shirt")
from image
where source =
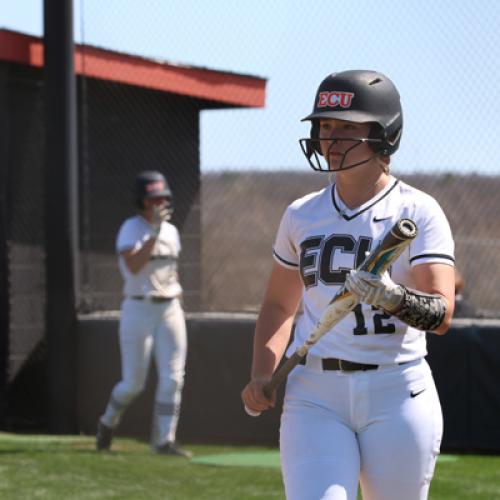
[(159, 276), (323, 239)]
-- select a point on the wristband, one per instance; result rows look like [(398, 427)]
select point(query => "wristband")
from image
[(423, 311)]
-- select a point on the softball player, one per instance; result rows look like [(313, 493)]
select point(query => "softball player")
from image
[(152, 319), (363, 406)]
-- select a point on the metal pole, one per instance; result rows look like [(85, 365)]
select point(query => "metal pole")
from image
[(61, 213), (4, 268)]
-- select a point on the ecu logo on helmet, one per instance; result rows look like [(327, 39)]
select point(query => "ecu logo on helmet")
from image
[(335, 99)]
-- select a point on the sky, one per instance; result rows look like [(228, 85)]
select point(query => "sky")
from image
[(441, 54)]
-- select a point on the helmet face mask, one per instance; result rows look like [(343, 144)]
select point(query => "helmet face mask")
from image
[(358, 96), (311, 147)]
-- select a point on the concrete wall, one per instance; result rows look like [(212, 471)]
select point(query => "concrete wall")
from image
[(465, 363), (217, 368)]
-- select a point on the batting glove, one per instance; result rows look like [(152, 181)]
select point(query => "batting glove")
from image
[(379, 291), (159, 214)]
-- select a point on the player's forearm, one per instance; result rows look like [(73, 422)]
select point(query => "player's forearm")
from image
[(446, 323), (271, 338), (135, 261)]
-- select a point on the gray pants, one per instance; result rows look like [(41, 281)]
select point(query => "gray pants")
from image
[(151, 327)]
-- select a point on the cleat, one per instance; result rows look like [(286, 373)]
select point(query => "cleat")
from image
[(104, 437), (172, 449)]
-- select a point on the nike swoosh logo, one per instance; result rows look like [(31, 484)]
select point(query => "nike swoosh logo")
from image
[(380, 219), (414, 394)]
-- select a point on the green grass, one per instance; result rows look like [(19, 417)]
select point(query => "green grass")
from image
[(67, 467)]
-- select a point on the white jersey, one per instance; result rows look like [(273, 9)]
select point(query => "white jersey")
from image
[(159, 276), (323, 239)]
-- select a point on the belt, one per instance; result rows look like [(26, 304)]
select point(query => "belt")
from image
[(342, 365), (152, 298)]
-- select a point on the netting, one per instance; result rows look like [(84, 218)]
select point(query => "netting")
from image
[(234, 168), (441, 56)]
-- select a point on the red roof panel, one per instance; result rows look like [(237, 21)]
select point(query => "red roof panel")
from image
[(227, 88)]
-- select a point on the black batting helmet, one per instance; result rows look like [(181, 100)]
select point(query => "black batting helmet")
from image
[(151, 184), (360, 96)]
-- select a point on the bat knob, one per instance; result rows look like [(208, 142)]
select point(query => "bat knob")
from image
[(252, 413)]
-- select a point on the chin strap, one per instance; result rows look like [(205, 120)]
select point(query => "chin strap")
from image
[(423, 311)]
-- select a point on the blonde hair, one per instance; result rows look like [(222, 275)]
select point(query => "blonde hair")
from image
[(385, 163)]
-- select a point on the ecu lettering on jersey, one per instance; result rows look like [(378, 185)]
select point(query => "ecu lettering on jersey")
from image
[(328, 259)]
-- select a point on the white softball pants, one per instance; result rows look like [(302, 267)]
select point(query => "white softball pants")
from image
[(151, 327), (380, 427)]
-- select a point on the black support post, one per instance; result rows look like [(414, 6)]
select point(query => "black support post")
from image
[(61, 205), (4, 269)]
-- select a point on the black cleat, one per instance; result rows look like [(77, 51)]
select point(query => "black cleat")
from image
[(173, 450), (104, 437)]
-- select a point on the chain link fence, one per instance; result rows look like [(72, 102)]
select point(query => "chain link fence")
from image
[(250, 172), (242, 210), (22, 188), (441, 55)]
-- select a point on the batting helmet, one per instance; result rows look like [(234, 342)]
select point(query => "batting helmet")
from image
[(151, 184), (360, 96)]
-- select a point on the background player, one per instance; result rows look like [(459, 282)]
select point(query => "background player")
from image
[(363, 406), (152, 319)]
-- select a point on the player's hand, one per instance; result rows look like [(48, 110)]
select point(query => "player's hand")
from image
[(379, 291), (254, 399), (159, 213)]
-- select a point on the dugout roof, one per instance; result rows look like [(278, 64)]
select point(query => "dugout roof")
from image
[(225, 88)]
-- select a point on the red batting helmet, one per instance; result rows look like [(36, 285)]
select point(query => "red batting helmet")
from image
[(151, 184)]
